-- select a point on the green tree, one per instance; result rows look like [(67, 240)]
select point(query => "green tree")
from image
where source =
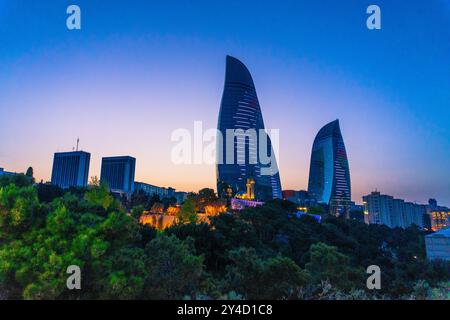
[(187, 213), (317, 210), (48, 192), (257, 278), (100, 196), (173, 270), (328, 264), (137, 211), (207, 195)]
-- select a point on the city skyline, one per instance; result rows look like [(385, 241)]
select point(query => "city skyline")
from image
[(393, 103)]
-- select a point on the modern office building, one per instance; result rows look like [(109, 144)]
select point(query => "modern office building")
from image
[(118, 173), (385, 209), (438, 245), (240, 111), (329, 174), (71, 169)]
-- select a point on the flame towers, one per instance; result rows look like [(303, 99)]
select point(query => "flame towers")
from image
[(240, 112), (329, 175)]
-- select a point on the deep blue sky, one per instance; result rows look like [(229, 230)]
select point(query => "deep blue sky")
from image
[(140, 69)]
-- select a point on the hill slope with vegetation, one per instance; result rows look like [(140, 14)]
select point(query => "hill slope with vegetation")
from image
[(259, 253)]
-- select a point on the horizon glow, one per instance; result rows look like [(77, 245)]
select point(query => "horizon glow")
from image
[(133, 75)]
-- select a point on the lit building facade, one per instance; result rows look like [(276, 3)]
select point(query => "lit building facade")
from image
[(329, 174), (439, 219), (240, 110), (118, 173), (385, 209), (439, 216), (71, 169)]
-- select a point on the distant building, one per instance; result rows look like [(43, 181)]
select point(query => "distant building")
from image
[(356, 211), (151, 190), (438, 245), (162, 192), (329, 174), (301, 198), (118, 173), (379, 209), (6, 173), (180, 196), (440, 219), (432, 203), (239, 204), (439, 216), (71, 169), (385, 209)]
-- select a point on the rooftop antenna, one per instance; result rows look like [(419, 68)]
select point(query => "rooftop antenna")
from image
[(78, 141)]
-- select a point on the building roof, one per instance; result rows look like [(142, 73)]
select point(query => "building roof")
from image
[(330, 129), (441, 233), (237, 72), (72, 153)]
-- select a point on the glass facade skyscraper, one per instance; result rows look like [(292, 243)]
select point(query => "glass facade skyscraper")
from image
[(70, 169), (118, 173), (240, 110), (329, 175)]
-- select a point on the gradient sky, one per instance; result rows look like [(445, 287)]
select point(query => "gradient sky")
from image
[(140, 69)]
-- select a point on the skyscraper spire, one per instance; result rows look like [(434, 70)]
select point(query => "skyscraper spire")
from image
[(329, 174), (240, 110)]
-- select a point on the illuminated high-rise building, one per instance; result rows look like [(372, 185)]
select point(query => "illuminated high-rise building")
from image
[(240, 111), (329, 175)]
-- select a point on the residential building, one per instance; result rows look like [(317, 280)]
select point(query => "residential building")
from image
[(385, 209)]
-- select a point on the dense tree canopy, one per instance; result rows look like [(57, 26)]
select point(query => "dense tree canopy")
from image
[(259, 253)]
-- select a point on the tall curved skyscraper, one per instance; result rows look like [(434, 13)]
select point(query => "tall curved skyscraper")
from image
[(329, 174), (240, 110)]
